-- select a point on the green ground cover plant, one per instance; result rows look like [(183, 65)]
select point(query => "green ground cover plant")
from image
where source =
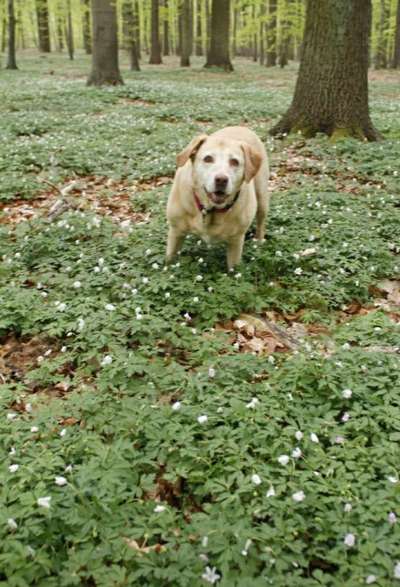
[(143, 442)]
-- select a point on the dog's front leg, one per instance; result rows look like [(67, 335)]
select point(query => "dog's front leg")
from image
[(234, 251), (175, 240)]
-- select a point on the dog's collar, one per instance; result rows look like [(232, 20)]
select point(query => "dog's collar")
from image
[(204, 210)]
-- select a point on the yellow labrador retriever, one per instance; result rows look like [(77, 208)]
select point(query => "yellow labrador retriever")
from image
[(219, 187)]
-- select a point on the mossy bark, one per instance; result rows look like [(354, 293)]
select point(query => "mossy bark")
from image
[(331, 94), (11, 57), (105, 68), (155, 51), (396, 50), (218, 54), (187, 33), (272, 34), (42, 12)]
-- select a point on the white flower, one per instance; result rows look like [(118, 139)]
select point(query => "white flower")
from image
[(347, 393), (199, 278), (204, 541), (13, 468), (339, 439), (61, 307), (12, 524), (347, 507), (63, 349), (12, 451), (270, 492), (210, 289), (252, 403), (283, 460), (34, 429), (256, 479), (298, 271), (298, 496), (396, 571), (145, 280), (148, 252), (296, 453), (155, 265), (63, 432), (28, 407), (392, 518), (107, 360), (68, 469), (238, 275), (11, 416), (81, 323), (196, 300), (167, 295), (202, 419), (60, 481), (346, 417), (110, 307), (211, 372), (370, 579), (349, 540), (134, 291), (314, 437), (392, 479), (44, 502), (77, 284), (159, 508), (187, 316), (210, 575), (298, 435), (100, 261), (176, 406), (245, 551)]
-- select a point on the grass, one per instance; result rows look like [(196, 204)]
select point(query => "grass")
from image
[(153, 421)]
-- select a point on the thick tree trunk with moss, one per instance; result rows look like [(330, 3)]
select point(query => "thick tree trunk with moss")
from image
[(155, 52), (218, 54), (187, 33), (271, 36), (105, 68), (11, 57), (396, 51), (331, 94), (42, 12)]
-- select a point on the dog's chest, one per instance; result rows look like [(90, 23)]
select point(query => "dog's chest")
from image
[(213, 226)]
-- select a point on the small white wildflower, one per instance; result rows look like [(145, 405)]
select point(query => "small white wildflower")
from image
[(155, 266), (81, 323), (203, 557), (187, 316), (210, 289), (167, 295), (298, 271), (211, 372), (238, 275), (347, 393), (176, 406), (252, 403), (148, 252), (159, 509), (107, 360), (196, 300), (34, 429), (283, 460), (296, 453), (44, 502), (28, 407), (68, 469), (347, 507), (370, 579), (314, 437), (396, 571), (60, 481), (245, 551), (199, 278), (346, 346), (145, 280), (62, 307), (210, 575), (270, 492), (96, 269), (77, 284), (12, 524), (194, 331), (298, 435), (204, 541), (12, 451), (392, 518), (202, 419), (298, 496), (392, 479), (13, 468), (63, 349), (134, 291), (256, 479), (349, 540), (110, 307), (63, 432), (345, 417)]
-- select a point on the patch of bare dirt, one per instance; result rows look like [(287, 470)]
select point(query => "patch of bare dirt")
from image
[(136, 102), (103, 196)]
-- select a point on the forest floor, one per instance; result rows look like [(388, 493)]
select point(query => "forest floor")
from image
[(184, 426)]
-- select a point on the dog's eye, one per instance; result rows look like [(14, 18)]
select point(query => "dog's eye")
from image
[(234, 162), (208, 159)]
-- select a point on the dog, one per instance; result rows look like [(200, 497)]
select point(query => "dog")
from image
[(219, 187)]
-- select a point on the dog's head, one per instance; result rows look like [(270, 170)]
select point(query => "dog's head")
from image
[(220, 166)]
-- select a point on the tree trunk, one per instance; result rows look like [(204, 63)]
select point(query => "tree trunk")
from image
[(262, 34), (129, 16), (331, 94), (166, 47), (284, 44), (155, 54), (42, 12), (11, 58), (271, 33), (187, 35), (136, 13), (87, 35), (70, 33), (381, 49), (218, 55), (199, 31), (396, 52), (105, 68), (20, 27)]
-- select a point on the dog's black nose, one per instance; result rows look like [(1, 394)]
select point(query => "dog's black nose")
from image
[(221, 181)]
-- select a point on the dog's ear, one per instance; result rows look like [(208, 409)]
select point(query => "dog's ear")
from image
[(190, 150), (252, 161)]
